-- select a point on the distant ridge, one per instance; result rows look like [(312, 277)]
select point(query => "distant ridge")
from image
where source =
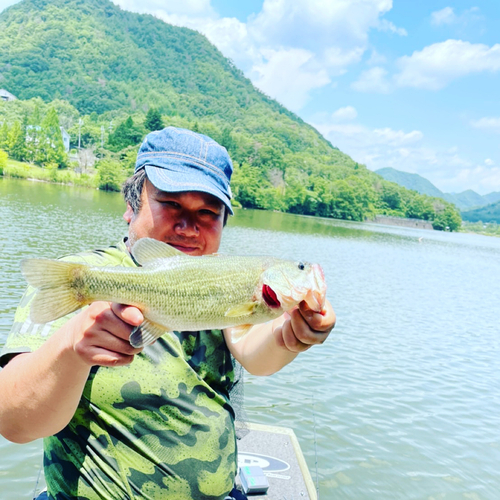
[(488, 213), (410, 181), (465, 200)]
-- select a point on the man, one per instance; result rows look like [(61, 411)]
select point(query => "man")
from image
[(157, 422)]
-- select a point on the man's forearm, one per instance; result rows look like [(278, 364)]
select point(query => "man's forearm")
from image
[(261, 352), (40, 391)]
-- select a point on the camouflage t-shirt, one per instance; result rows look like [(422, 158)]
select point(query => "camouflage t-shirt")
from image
[(160, 428)]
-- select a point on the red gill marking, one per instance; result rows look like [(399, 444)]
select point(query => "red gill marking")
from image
[(270, 297)]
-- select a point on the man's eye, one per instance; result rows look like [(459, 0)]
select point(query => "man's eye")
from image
[(170, 203), (211, 213)]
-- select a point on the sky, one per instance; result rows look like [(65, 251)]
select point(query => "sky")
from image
[(412, 85)]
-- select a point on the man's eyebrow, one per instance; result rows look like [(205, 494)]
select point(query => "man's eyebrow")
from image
[(209, 200)]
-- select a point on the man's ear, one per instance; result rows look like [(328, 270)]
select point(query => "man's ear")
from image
[(129, 214)]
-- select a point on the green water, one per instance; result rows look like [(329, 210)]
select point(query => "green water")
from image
[(402, 402)]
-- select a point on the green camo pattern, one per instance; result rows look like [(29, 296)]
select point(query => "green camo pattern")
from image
[(160, 428)]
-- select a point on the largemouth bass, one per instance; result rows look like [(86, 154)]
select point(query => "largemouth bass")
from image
[(177, 292)]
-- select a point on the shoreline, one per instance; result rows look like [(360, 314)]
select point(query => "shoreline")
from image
[(19, 170)]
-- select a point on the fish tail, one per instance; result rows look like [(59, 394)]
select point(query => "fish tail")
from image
[(58, 293)]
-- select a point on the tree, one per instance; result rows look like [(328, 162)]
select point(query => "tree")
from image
[(17, 142), (126, 134), (3, 160), (4, 135), (227, 140), (153, 120), (111, 175), (33, 132), (448, 219), (51, 141)]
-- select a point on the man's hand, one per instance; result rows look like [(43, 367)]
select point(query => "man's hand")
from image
[(304, 328), (99, 335)]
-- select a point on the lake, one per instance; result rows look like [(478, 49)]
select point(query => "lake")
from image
[(401, 402)]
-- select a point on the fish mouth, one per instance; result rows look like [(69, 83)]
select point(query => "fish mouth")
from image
[(316, 297)]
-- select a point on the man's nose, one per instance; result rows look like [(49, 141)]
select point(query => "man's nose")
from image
[(187, 226)]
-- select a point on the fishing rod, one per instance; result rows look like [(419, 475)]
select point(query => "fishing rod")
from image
[(315, 443)]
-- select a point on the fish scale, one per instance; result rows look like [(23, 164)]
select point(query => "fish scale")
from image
[(176, 291)]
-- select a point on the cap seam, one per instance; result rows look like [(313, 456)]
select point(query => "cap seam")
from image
[(182, 155)]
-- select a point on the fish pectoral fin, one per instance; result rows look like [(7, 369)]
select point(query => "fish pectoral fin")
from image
[(147, 333), (241, 310), (148, 250), (238, 332)]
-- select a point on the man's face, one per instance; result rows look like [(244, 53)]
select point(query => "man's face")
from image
[(192, 222)]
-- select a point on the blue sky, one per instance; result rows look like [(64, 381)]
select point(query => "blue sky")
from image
[(406, 84)]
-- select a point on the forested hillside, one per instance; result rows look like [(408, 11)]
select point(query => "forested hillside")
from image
[(111, 76), (489, 213)]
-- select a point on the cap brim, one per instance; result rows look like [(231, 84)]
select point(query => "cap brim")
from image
[(171, 181)]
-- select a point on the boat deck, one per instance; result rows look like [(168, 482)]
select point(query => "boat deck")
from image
[(276, 450)]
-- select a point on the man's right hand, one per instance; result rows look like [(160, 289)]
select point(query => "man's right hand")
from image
[(99, 335), (40, 391)]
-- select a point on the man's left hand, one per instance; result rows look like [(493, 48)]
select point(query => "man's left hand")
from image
[(304, 327)]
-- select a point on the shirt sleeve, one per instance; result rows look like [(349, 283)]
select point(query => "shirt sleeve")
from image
[(26, 336)]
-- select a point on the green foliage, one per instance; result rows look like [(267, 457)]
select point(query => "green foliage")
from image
[(50, 174), (3, 160), (153, 120), (489, 213), (110, 175), (486, 228), (448, 219), (16, 141), (126, 134), (4, 136), (51, 142)]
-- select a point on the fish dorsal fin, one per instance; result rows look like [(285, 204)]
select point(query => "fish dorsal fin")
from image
[(147, 250)]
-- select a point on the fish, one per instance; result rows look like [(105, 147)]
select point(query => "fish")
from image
[(178, 292)]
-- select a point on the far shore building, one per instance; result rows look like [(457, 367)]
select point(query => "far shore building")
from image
[(6, 95), (30, 136)]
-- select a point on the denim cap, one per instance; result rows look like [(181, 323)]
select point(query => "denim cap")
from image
[(177, 160)]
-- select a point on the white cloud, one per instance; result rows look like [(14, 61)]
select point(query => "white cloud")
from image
[(385, 25), (447, 16), (397, 137), (437, 65), (317, 24), (443, 16), (337, 59), (373, 80), (346, 113), (486, 123), (287, 76), (377, 148), (184, 9), (480, 178)]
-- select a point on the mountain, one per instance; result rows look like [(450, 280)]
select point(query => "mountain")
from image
[(104, 68), (464, 201), (489, 213), (410, 181)]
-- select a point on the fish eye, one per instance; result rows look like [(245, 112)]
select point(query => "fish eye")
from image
[(301, 266)]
